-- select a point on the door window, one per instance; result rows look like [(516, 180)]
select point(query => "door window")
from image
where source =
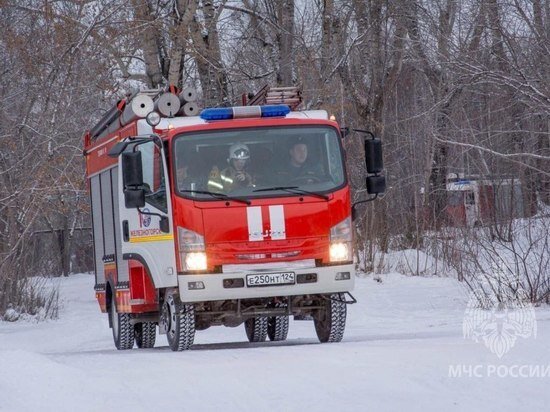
[(153, 175)]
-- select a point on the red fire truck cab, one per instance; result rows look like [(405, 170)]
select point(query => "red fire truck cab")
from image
[(240, 215)]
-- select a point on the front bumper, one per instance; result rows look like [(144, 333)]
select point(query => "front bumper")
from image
[(214, 284)]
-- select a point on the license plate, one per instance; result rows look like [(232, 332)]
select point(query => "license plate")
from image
[(271, 279)]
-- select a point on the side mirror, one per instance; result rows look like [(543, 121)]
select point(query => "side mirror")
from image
[(134, 198), (373, 155), (376, 185), (132, 170), (132, 175)]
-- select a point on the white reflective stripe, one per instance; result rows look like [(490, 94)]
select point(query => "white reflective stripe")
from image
[(277, 220), (215, 184), (255, 225)]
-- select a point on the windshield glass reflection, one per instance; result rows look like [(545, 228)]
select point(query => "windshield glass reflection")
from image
[(258, 162)]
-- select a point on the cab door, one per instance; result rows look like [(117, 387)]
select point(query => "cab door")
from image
[(142, 237)]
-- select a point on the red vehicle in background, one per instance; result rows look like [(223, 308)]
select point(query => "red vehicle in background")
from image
[(239, 215), (474, 201)]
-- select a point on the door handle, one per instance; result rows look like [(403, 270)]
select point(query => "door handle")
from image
[(125, 231)]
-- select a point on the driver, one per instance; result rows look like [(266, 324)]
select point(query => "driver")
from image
[(298, 168)]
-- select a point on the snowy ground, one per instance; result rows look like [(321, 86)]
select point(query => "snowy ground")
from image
[(401, 339)]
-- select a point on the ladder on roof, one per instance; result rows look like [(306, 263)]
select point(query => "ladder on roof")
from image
[(291, 96)]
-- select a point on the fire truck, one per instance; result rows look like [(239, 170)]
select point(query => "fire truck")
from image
[(239, 215)]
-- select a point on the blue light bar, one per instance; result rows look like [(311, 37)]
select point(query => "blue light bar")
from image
[(279, 110), (244, 112), (222, 113)]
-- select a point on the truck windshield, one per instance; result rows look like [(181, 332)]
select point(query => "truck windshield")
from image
[(242, 162)]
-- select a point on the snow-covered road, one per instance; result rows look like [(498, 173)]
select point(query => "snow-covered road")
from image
[(401, 339)]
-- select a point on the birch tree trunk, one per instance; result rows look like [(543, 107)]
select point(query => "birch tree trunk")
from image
[(149, 36), (285, 40), (207, 53)]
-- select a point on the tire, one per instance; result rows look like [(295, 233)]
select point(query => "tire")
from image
[(123, 331), (330, 322), (179, 323), (256, 329), (145, 334), (277, 328)]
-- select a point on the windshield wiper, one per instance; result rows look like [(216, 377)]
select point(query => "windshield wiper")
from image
[(221, 196), (294, 190)]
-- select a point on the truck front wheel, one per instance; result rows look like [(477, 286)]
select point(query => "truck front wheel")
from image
[(277, 328), (330, 321), (123, 332), (256, 329), (179, 322)]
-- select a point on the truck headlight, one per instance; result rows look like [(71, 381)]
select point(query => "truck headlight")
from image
[(340, 241), (339, 252), (195, 261), (192, 250)]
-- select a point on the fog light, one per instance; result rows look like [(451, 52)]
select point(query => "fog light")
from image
[(307, 278), (195, 285), (339, 252), (233, 283), (342, 276), (195, 261)]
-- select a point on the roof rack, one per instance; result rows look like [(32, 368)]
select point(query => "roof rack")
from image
[(291, 96)]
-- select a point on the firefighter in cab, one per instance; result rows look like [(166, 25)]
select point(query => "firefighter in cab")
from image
[(235, 175), (299, 169)]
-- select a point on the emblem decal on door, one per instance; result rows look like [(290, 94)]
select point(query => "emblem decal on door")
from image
[(144, 219)]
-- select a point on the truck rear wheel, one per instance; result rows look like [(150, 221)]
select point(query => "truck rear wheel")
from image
[(123, 332), (277, 328), (145, 334), (330, 321), (179, 322), (256, 329)]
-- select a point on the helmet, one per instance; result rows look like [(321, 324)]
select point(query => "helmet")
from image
[(239, 151)]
